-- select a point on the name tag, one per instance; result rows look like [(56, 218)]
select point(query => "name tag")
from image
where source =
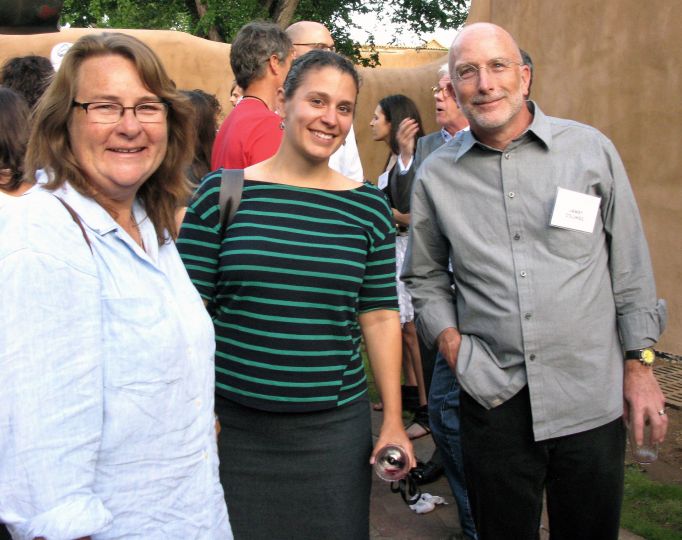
[(382, 182), (575, 211)]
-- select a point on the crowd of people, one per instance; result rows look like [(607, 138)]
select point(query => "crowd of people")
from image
[(187, 304)]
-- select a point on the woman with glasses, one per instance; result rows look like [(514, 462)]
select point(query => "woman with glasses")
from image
[(106, 424)]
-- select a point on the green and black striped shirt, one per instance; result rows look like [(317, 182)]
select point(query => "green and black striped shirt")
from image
[(287, 282)]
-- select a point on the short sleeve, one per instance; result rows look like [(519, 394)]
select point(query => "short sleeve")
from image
[(199, 239), (378, 289)]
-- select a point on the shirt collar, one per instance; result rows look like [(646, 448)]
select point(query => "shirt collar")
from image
[(539, 127), (91, 212)]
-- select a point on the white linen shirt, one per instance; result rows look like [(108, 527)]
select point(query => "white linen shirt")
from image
[(106, 401)]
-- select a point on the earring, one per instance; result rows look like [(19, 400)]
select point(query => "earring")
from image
[(281, 125)]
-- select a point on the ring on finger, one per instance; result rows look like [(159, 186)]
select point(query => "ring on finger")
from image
[(661, 412)]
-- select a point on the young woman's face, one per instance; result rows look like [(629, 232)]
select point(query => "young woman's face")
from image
[(381, 128), (319, 115)]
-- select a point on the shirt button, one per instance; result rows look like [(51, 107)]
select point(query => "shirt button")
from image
[(517, 236), (512, 194), (197, 402), (524, 274), (527, 316), (532, 357), (506, 156)]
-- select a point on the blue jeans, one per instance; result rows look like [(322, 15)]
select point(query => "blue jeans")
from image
[(444, 422)]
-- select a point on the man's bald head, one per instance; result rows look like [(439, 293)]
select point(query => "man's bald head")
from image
[(477, 36), (309, 35), (490, 83)]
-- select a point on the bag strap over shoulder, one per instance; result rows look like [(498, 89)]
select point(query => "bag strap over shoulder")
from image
[(77, 219), (231, 186)]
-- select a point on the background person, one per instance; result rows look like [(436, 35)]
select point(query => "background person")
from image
[(107, 426), (543, 305), (307, 36), (440, 382), (205, 121), (236, 93), (391, 112), (27, 75), (303, 272), (260, 57), (14, 128)]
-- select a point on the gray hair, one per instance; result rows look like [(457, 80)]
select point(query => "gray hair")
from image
[(253, 46), (528, 61)]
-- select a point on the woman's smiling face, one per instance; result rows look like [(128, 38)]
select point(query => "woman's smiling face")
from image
[(319, 115), (115, 158)]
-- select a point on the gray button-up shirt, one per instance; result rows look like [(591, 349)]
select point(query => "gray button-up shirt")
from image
[(538, 305)]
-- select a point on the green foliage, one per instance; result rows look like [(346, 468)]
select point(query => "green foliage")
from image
[(166, 14), (650, 509), (222, 19)]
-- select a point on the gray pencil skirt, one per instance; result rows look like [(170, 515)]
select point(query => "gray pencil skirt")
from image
[(296, 475)]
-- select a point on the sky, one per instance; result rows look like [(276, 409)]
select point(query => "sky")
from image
[(384, 32)]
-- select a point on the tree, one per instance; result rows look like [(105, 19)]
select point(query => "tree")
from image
[(220, 20)]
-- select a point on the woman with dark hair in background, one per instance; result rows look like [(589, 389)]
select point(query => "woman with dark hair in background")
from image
[(206, 110), (14, 128), (387, 118), (29, 76), (302, 273), (106, 425)]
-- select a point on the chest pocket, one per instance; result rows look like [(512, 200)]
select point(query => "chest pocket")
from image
[(140, 346), (575, 245)]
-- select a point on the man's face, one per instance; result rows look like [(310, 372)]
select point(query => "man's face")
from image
[(315, 37), (493, 98), (447, 111)]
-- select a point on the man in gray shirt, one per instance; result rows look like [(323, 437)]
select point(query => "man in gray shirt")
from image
[(554, 311)]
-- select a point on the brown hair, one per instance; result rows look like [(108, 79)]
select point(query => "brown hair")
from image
[(13, 135), (206, 109), (49, 146)]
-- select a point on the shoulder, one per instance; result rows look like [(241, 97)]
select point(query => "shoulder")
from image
[(207, 195), (373, 198), (431, 138), (571, 137), (39, 223), (565, 126)]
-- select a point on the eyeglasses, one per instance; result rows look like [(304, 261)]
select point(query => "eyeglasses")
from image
[(496, 67), (436, 89), (321, 46), (105, 112)]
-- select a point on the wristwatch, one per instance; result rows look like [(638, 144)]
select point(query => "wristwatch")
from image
[(646, 356)]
